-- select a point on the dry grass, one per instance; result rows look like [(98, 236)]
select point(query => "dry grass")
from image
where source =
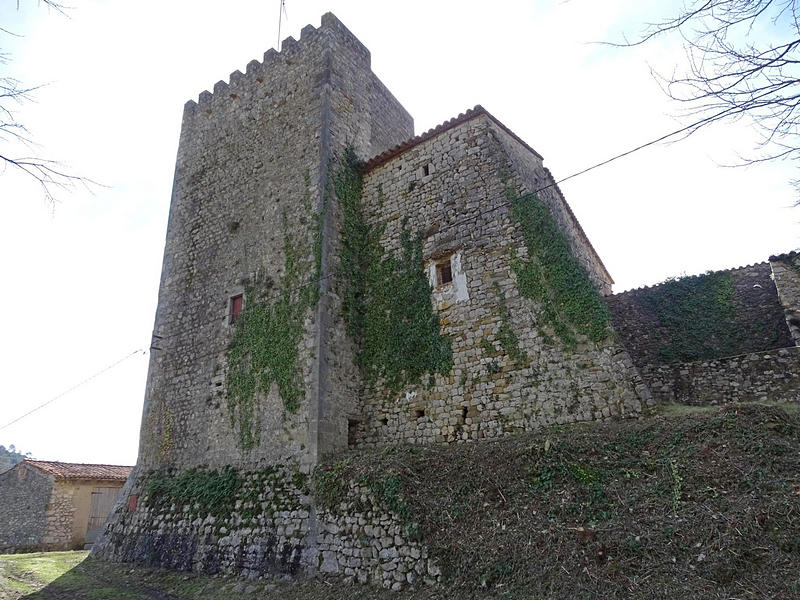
[(704, 505)]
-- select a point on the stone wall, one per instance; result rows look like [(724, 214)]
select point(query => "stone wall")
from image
[(757, 321), (453, 189), (269, 526), (24, 498), (251, 174), (60, 518), (772, 375), (786, 274)]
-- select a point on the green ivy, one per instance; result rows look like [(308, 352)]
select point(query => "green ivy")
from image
[(697, 315), (386, 297), (505, 334), (204, 492), (554, 278), (264, 348)]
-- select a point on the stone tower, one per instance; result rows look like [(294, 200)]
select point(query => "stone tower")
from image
[(251, 176), (329, 280)]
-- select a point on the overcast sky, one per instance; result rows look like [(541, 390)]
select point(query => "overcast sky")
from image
[(81, 277)]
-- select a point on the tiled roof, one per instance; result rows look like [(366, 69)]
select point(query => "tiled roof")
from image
[(389, 154), (472, 113), (81, 471)]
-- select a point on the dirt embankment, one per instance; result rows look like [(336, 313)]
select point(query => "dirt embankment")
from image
[(701, 506)]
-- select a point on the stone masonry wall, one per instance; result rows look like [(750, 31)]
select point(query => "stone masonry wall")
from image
[(59, 518), (24, 498), (487, 394), (251, 169), (772, 375), (759, 316), (786, 274), (270, 526), (528, 167)]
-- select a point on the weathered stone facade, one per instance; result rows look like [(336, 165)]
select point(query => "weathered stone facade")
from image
[(771, 376), (304, 215), (252, 169), (270, 525), (453, 185), (757, 361), (786, 274), (46, 506)]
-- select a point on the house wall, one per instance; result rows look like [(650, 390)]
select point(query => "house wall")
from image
[(461, 208), (24, 497), (41, 512)]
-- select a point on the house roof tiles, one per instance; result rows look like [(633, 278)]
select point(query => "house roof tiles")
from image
[(64, 470)]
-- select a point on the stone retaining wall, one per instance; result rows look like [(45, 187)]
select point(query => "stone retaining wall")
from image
[(771, 375), (272, 528)]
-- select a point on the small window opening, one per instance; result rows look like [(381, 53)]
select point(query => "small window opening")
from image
[(419, 413), (384, 421), (133, 501), (426, 170), (236, 307), (444, 272), (464, 412), (352, 432)]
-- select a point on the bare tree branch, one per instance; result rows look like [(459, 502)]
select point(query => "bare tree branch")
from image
[(49, 174), (742, 62)]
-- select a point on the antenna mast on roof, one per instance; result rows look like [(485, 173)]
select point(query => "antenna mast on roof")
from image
[(281, 14)]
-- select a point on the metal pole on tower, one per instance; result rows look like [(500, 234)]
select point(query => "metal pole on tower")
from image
[(281, 10)]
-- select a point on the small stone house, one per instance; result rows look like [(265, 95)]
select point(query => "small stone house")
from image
[(47, 505)]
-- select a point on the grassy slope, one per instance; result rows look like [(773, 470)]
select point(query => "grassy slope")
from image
[(701, 505), (22, 574)]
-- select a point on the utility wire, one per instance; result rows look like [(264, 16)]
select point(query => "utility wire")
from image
[(688, 128), (76, 386)]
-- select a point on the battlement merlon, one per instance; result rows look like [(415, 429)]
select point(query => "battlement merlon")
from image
[(256, 71)]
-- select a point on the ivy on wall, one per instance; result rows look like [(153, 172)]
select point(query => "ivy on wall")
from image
[(554, 278), (509, 341), (386, 297), (698, 317), (220, 493), (264, 348)]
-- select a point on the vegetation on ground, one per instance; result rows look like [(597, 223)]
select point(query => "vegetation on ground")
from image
[(701, 504)]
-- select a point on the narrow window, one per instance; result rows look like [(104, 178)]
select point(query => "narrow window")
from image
[(236, 307), (444, 272), (464, 413), (426, 170), (419, 413)]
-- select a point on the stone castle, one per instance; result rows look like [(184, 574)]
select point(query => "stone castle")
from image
[(330, 281)]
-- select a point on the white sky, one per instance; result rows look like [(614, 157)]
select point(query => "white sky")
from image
[(80, 279)]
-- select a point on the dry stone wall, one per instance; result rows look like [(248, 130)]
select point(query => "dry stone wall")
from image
[(772, 375), (269, 526), (786, 274), (24, 498), (453, 190), (743, 338), (757, 316)]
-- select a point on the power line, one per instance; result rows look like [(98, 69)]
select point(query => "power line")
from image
[(688, 129), (76, 386)]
